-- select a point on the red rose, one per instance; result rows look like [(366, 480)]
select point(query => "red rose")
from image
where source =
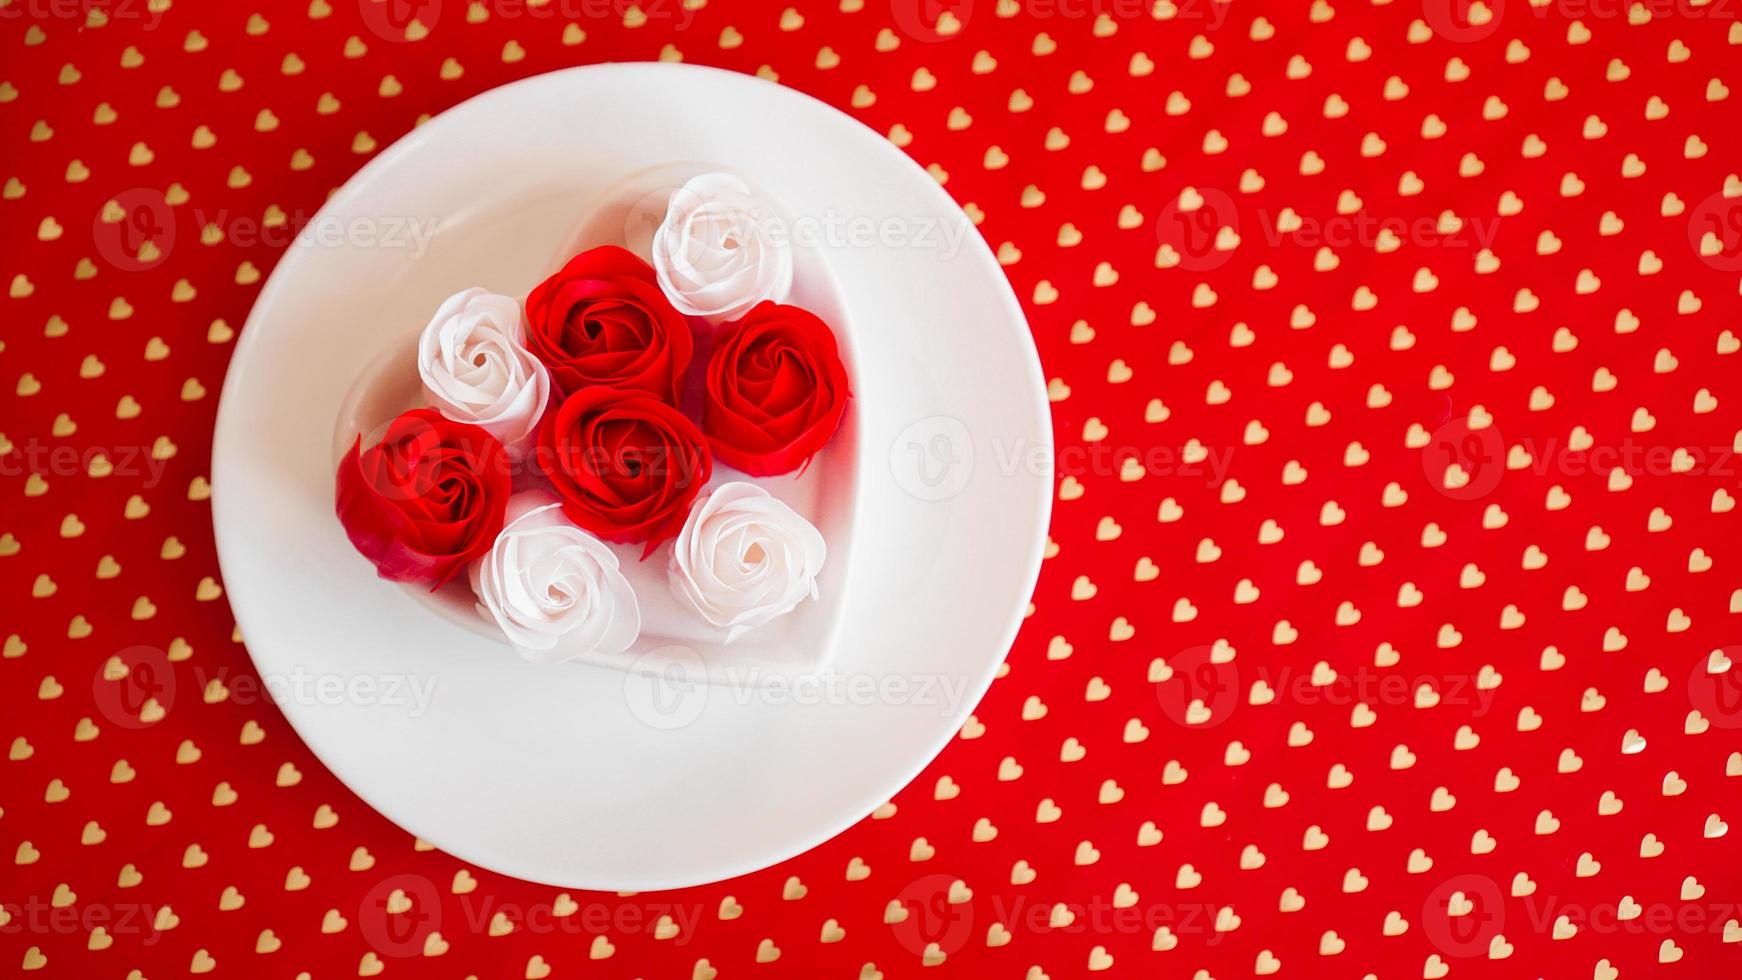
[(426, 499), (602, 320), (776, 390), (626, 464)]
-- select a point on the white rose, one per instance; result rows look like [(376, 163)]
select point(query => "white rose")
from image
[(555, 590), (745, 558), (475, 365), (715, 254)]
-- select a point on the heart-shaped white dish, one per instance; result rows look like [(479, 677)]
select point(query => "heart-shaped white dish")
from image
[(673, 636)]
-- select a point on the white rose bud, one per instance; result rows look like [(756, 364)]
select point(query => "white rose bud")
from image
[(745, 558), (715, 253), (555, 590), (476, 368)]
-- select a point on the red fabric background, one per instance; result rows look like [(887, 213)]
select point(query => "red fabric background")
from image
[(1072, 137)]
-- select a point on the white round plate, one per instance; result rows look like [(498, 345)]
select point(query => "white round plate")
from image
[(585, 776)]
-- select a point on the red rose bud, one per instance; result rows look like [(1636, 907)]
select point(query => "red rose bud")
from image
[(425, 500), (776, 390), (626, 464), (603, 320)]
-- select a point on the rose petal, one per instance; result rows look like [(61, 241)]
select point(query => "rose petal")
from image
[(744, 558), (602, 320), (775, 390), (626, 464), (426, 499)]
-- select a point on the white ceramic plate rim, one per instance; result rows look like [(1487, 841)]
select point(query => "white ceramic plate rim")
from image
[(1027, 493)]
